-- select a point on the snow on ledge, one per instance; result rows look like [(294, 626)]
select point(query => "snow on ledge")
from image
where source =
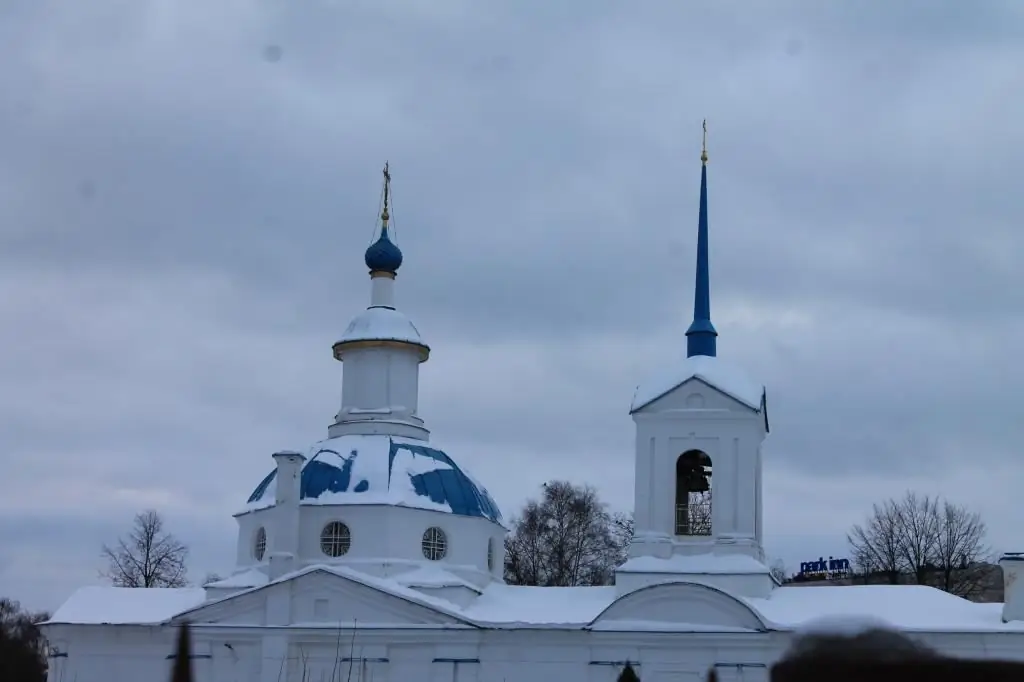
[(432, 576), (698, 564), (730, 380)]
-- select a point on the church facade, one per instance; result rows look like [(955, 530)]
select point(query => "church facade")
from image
[(372, 555)]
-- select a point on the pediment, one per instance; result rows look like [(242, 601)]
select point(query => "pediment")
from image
[(327, 597), (320, 596), (681, 605), (698, 393), (724, 380), (242, 608)]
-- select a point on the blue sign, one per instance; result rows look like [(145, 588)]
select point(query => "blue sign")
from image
[(827, 569)]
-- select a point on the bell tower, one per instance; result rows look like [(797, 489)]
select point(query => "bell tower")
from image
[(699, 429)]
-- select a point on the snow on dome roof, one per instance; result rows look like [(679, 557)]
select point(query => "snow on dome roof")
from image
[(384, 470), (382, 324), (710, 370)]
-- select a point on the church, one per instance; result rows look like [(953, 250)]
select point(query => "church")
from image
[(372, 555)]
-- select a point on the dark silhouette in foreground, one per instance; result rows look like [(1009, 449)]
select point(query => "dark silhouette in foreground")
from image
[(628, 674), (22, 646), (881, 655), (182, 670)]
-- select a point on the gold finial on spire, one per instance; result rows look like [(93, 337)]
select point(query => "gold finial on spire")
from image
[(387, 194), (704, 145)]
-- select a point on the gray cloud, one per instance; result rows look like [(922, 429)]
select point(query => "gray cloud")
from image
[(182, 222)]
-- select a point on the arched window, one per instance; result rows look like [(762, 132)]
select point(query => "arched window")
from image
[(335, 539), (435, 544), (259, 547), (693, 493)]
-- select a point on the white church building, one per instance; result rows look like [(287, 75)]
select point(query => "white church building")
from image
[(372, 555)]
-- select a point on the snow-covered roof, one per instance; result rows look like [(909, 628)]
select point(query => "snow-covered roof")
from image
[(433, 575), (905, 607), (127, 605), (383, 469), (711, 370), (382, 324)]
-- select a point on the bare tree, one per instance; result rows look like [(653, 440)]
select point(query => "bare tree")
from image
[(960, 554), (566, 538), (147, 557), (917, 524), (929, 540), (875, 545), (622, 527), (778, 571)]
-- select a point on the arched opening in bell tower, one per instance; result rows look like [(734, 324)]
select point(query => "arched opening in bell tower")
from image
[(693, 493)]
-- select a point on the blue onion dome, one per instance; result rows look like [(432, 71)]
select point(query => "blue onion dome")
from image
[(383, 255)]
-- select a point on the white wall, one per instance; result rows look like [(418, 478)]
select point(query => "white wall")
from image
[(102, 654), (384, 535)]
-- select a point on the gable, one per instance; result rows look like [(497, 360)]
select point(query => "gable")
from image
[(326, 597), (315, 597), (680, 606), (241, 608), (724, 379), (696, 393)]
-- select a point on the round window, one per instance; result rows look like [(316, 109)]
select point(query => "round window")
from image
[(259, 547), (335, 539), (435, 544)]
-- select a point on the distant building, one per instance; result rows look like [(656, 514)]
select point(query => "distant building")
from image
[(987, 577), (374, 552)]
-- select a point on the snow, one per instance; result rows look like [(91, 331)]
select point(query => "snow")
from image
[(250, 578), (519, 605), (726, 378), (432, 575), (696, 564), (381, 324), (414, 465), (905, 607), (123, 605)]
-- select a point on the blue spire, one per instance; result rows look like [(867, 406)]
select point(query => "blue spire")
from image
[(701, 336)]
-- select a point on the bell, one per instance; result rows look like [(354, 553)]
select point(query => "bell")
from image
[(699, 483), (696, 480)]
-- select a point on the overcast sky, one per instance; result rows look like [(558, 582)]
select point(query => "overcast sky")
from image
[(187, 188)]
